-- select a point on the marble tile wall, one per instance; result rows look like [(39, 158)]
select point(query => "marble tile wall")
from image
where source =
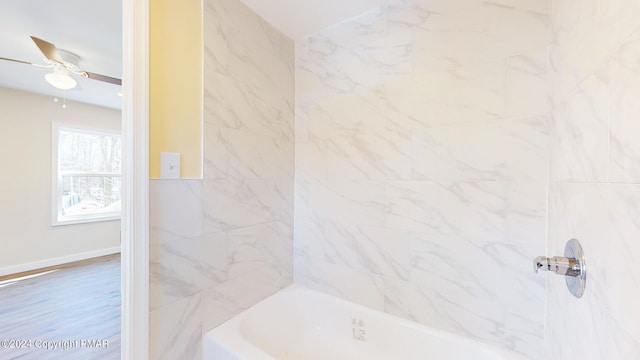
[(422, 144), (595, 177), (221, 244)]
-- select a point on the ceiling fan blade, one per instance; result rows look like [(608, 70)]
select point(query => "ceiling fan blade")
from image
[(14, 60), (48, 49), (104, 78)]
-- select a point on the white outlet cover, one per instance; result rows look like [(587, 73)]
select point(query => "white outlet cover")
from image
[(169, 165)]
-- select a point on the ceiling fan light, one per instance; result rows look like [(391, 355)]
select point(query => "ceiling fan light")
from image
[(61, 79)]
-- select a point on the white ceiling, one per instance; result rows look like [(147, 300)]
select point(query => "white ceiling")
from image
[(92, 30), (301, 18)]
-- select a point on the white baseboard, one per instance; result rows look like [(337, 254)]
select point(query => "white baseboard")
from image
[(9, 270)]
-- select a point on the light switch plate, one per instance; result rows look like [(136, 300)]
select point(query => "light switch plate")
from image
[(169, 165)]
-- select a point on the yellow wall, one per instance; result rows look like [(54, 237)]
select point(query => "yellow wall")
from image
[(175, 66)]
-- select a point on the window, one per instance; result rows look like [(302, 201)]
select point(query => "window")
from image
[(86, 175)]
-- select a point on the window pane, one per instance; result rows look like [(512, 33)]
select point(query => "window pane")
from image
[(88, 152), (87, 176), (88, 195)]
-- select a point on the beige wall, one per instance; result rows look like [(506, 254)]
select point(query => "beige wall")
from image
[(175, 84), (25, 199)]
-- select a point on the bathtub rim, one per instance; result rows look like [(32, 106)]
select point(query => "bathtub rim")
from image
[(230, 334)]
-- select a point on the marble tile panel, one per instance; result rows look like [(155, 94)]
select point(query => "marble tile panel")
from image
[(230, 203), (625, 127), (232, 297), (233, 104), (362, 53), (454, 265), (216, 48), (447, 7), (527, 213), (501, 150), (181, 267), (523, 334), (183, 338), (409, 300), (339, 280), (449, 266), (580, 131), (371, 249), (480, 32), (524, 298), (623, 14), (285, 191), (420, 302), (255, 156), (474, 211), (254, 246), (528, 84), (585, 35), (249, 71), (464, 94), (215, 152), (348, 202), (175, 206), (310, 159), (277, 194), (532, 6), (301, 131), (525, 294), (594, 333), (459, 287), (222, 107), (309, 226), (358, 140), (349, 112), (573, 37), (604, 218), (265, 63), (246, 40)]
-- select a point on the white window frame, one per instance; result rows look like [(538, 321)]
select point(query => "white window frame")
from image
[(57, 219)]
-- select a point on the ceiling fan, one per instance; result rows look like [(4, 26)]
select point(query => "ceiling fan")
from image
[(63, 64)]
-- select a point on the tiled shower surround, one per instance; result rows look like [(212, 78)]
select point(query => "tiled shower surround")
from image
[(422, 141), (440, 145)]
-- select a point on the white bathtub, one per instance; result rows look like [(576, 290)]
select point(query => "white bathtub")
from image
[(301, 324)]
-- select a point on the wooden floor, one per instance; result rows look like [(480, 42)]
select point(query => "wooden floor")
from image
[(77, 307)]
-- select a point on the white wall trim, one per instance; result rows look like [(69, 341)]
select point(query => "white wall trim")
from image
[(135, 179), (35, 265)]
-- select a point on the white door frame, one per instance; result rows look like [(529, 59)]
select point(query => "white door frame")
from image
[(135, 199)]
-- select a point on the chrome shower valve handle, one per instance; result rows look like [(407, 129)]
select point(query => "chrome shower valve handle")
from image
[(557, 264), (571, 265)]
